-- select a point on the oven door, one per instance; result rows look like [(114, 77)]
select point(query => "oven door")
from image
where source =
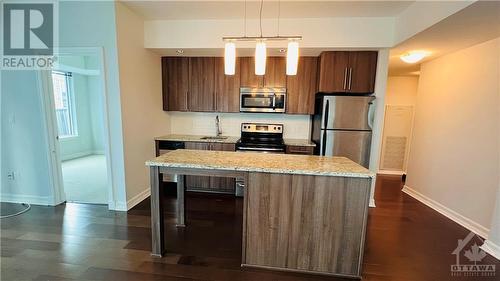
[(262, 102)]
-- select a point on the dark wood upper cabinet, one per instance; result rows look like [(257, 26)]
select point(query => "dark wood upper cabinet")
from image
[(333, 72), (247, 77), (201, 95), (227, 88), (347, 72), (363, 67), (175, 78), (301, 88), (275, 72), (199, 83)]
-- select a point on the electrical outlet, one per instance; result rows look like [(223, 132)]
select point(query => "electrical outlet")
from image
[(10, 176)]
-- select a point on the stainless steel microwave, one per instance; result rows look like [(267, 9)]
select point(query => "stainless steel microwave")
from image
[(263, 100)]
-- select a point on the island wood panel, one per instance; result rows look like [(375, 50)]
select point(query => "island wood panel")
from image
[(175, 79), (275, 76), (223, 184), (198, 183), (247, 77), (363, 67), (301, 88), (227, 88), (306, 223), (201, 96)]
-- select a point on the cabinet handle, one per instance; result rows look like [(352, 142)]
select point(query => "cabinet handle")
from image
[(345, 78), (187, 100), (350, 77)]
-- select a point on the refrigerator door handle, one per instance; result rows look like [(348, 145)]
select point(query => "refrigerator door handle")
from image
[(323, 143), (371, 114), (325, 114)]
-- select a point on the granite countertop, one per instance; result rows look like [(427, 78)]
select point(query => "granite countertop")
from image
[(262, 162), (196, 138), (299, 142)]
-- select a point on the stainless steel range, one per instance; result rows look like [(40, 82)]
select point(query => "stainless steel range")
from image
[(257, 137)]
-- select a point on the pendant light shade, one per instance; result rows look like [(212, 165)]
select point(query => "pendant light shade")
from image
[(292, 58), (229, 58), (260, 58)]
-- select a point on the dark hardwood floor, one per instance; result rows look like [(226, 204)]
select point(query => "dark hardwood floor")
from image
[(406, 241)]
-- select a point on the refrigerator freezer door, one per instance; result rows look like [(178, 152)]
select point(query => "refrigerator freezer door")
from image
[(347, 112), (354, 145)]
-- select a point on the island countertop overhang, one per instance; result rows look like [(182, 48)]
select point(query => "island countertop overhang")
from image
[(262, 163)]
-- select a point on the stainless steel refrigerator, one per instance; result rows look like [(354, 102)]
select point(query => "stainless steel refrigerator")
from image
[(342, 126)]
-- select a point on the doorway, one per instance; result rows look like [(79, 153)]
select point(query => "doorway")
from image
[(75, 102)]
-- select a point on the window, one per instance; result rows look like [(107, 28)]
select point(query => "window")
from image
[(64, 104)]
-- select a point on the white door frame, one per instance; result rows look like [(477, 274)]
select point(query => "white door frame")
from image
[(46, 92)]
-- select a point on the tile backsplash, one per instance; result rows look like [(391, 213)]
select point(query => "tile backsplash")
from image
[(199, 123)]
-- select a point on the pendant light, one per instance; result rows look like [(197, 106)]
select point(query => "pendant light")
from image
[(260, 47), (229, 58), (260, 58), (292, 58)]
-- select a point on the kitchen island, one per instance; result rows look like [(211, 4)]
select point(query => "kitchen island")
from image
[(301, 213)]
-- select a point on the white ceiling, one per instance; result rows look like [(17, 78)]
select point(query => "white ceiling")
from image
[(477, 23), (192, 10)]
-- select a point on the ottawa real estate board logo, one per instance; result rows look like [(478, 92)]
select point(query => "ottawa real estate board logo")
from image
[(469, 258), (29, 35)]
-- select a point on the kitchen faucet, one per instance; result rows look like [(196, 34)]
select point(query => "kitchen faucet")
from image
[(218, 131)]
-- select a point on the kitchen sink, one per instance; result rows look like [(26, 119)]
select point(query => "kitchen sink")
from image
[(214, 138)]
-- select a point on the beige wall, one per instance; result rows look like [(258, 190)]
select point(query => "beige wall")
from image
[(140, 88), (401, 90), (454, 158)]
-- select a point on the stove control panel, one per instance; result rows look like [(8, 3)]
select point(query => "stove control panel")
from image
[(262, 128)]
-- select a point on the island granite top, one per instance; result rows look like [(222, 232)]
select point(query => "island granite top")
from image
[(262, 162)]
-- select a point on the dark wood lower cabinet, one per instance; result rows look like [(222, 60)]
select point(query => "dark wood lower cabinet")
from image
[(210, 184), (299, 149)]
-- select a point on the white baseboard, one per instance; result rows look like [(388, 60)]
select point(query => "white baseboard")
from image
[(138, 198), (117, 206), (30, 199), (491, 248), (447, 212), (388, 172)]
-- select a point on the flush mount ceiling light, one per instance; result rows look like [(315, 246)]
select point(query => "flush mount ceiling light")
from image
[(413, 57), (260, 47)]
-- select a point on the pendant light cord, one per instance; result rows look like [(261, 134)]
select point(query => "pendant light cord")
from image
[(260, 16), (279, 14), (245, 20)]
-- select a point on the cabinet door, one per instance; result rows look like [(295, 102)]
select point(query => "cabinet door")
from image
[(175, 79), (198, 183), (248, 77), (221, 184), (227, 88), (298, 149), (301, 88), (201, 95), (362, 70), (275, 72), (333, 72)]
